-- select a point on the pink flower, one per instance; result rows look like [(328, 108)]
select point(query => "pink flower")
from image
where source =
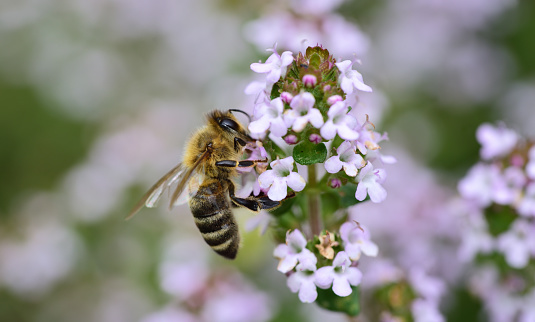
[(269, 116), (356, 241), (495, 141), (346, 158), (293, 251), (526, 206), (279, 178), (370, 184), (303, 112), (351, 79), (340, 275), (339, 122), (518, 244), (275, 66)]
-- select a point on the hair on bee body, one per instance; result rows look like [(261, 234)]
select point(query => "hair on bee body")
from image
[(205, 180)]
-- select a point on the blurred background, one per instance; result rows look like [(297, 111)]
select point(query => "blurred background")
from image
[(98, 97)]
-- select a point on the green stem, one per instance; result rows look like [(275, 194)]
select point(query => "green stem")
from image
[(313, 202)]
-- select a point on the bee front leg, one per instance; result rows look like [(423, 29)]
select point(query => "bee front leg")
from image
[(239, 164)]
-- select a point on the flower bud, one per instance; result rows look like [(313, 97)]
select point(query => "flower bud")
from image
[(290, 139), (335, 183), (310, 80), (315, 138), (334, 99), (286, 97)]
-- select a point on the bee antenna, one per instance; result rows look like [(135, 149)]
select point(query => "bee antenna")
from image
[(243, 112)]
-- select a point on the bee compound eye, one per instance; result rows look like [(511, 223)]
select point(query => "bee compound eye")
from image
[(229, 124)]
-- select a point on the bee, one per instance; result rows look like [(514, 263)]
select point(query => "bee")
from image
[(204, 179)]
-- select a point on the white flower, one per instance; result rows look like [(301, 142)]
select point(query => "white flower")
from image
[(341, 275), (357, 240), (339, 122), (275, 66), (269, 116), (526, 207), (346, 158), (303, 112), (425, 311), (478, 183), (279, 178), (495, 141), (351, 79), (303, 280), (530, 167), (293, 251), (369, 183)]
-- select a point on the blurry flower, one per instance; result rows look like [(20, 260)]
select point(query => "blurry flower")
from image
[(293, 251), (508, 187), (346, 158), (530, 167), (478, 183), (370, 184), (170, 314), (339, 122), (357, 240), (327, 242), (275, 66), (518, 244), (334, 99), (269, 116), (286, 97), (526, 206), (303, 112), (495, 141), (302, 280), (351, 79), (425, 311), (426, 286), (340, 275), (279, 178)]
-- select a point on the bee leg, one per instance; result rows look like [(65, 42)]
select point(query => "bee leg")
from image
[(239, 164), (238, 143), (242, 202)]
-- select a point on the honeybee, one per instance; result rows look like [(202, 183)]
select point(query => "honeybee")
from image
[(204, 180)]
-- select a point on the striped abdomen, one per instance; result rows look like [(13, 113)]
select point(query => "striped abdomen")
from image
[(211, 211)]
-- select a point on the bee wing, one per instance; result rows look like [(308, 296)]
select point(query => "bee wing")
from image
[(193, 186), (151, 198), (175, 198)]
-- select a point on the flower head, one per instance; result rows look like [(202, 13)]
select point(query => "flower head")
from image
[(269, 117), (350, 78), (346, 159), (275, 66), (303, 280), (370, 184), (339, 122), (357, 240), (302, 113), (280, 177), (293, 251), (495, 141), (340, 275)]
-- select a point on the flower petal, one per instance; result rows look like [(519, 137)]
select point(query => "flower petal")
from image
[(353, 275), (361, 192), (287, 263), (376, 192), (308, 292), (296, 182), (341, 286), (259, 126), (278, 190), (266, 179), (328, 130), (315, 118), (324, 277), (346, 133), (333, 164)]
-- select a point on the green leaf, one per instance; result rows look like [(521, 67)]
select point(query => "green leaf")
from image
[(307, 153), (499, 218), (330, 301)]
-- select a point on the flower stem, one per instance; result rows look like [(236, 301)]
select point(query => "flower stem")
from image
[(313, 202)]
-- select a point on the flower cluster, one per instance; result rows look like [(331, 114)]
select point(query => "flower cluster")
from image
[(305, 102), (304, 116), (325, 262), (499, 195)]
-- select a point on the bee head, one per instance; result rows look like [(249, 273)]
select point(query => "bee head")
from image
[(225, 121)]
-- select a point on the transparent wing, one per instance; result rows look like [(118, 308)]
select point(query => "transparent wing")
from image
[(176, 198), (193, 186), (151, 197)]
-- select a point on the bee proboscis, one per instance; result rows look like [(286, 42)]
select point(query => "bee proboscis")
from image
[(204, 179)]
